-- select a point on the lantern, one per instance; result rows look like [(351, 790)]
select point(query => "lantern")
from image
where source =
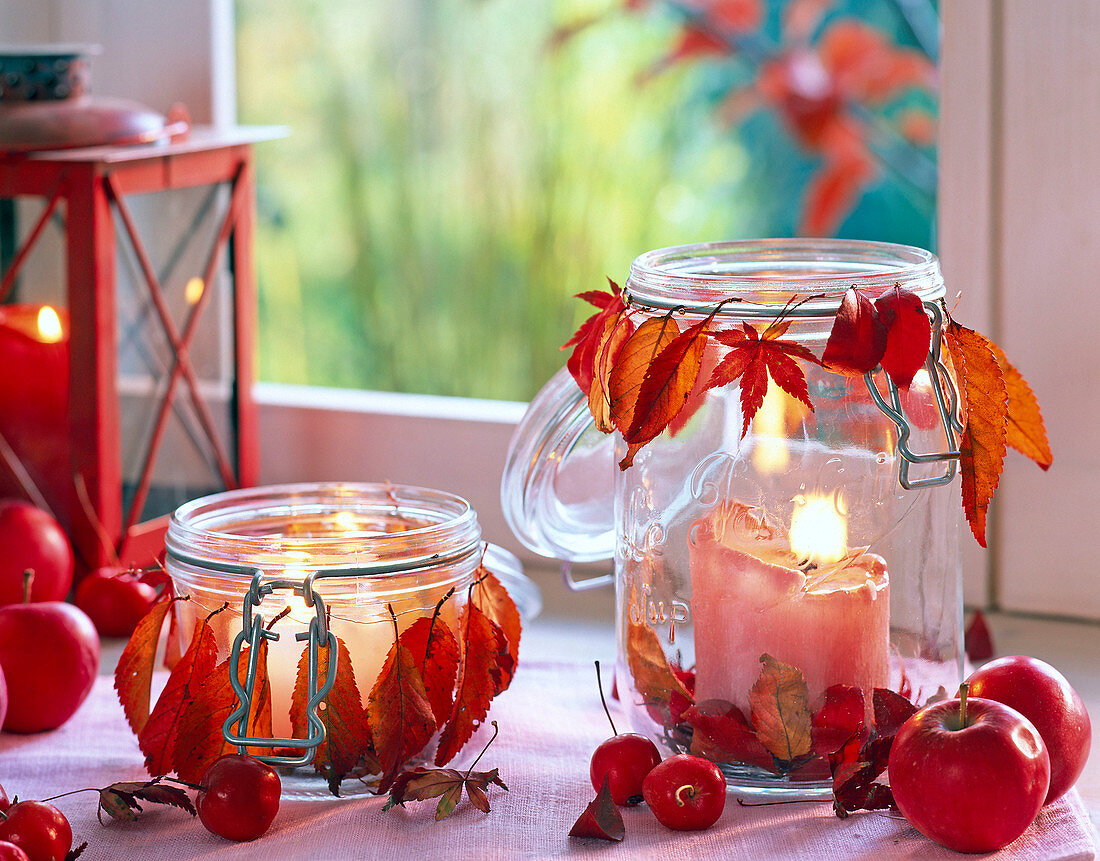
[(127, 341)]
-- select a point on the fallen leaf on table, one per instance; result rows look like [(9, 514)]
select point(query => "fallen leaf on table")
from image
[(120, 800), (601, 819)]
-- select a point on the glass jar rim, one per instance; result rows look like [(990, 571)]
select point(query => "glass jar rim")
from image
[(201, 532), (762, 276)]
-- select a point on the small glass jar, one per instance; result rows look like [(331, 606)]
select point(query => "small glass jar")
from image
[(826, 539), (362, 549)]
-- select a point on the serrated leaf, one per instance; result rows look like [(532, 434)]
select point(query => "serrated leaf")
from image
[(76, 851), (484, 654), (120, 800), (857, 340), (601, 819), (653, 676), (134, 671), (779, 701), (347, 731), (630, 369), (436, 652), (200, 741), (1025, 430), (446, 784), (400, 716), (157, 739), (494, 601), (908, 334), (983, 445)]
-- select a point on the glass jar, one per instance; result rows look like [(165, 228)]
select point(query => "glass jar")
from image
[(359, 550), (824, 539)]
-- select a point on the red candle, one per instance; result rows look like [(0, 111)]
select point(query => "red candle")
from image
[(34, 404), (750, 595)]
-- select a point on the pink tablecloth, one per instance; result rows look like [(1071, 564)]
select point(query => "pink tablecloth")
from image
[(550, 721)]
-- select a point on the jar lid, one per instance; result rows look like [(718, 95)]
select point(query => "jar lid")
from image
[(558, 480)]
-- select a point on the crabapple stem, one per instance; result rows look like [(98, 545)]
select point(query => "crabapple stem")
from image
[(689, 789), (606, 710)]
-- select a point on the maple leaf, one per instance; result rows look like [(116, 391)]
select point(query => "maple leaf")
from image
[(721, 733), (585, 340), (121, 800), (629, 374), (753, 358), (447, 785), (398, 710), (979, 642), (157, 738), (908, 334), (1026, 432), (134, 671), (494, 601), (199, 739), (601, 819), (485, 661), (983, 445), (347, 731), (667, 382), (858, 338), (76, 851), (653, 677), (781, 711)]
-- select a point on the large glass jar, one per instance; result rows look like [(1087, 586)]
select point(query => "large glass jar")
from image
[(814, 556), (365, 558)]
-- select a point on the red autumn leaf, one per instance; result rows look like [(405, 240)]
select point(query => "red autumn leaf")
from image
[(854, 768), (399, 713), (347, 732), (908, 334), (494, 601), (983, 444), (698, 394), (840, 717), (654, 678), (752, 358), (632, 365), (158, 737), (668, 382), (585, 340), (134, 671), (722, 734), (866, 66), (200, 740), (857, 341), (601, 819), (435, 650), (891, 711), (485, 663), (979, 642), (614, 332), (681, 698), (1026, 431), (121, 800)]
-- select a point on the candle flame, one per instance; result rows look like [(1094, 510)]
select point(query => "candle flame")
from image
[(49, 325), (193, 291), (819, 529)]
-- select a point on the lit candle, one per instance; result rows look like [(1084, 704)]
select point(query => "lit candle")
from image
[(804, 598), (34, 401)]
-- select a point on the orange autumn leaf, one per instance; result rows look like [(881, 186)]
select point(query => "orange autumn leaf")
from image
[(435, 651), (833, 191), (134, 671), (983, 444), (653, 676), (585, 340), (1026, 431), (399, 713), (668, 381), (200, 740), (629, 372), (494, 601), (753, 358), (485, 657), (614, 333), (157, 739), (781, 710), (347, 731)]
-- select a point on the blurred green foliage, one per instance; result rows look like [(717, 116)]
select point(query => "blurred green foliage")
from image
[(455, 173)]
